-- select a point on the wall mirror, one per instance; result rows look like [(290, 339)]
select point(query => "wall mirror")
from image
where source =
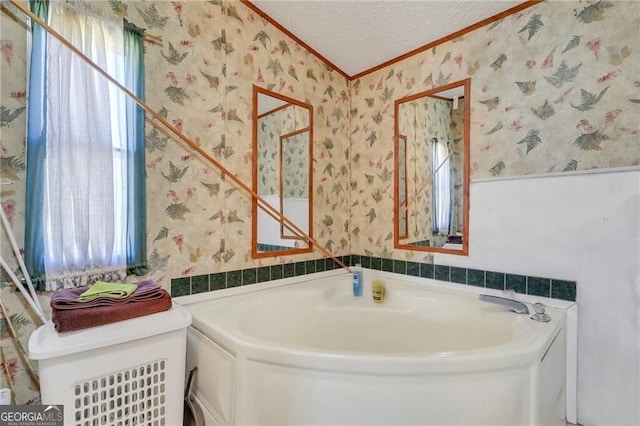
[(431, 173), (282, 172)]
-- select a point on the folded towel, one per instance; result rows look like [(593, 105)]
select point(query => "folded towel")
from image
[(69, 298), (69, 313), (110, 290)]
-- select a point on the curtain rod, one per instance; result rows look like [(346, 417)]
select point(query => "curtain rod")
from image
[(263, 204), (149, 38), (153, 39)]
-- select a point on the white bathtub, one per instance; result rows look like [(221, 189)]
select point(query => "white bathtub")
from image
[(311, 353)]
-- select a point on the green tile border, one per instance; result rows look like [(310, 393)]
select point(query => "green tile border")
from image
[(310, 266), (400, 267), (539, 286), (300, 268), (288, 270), (532, 285), (565, 290), (387, 265), (180, 286), (199, 284), (515, 282), (413, 269), (249, 276), (234, 278), (376, 263), (276, 272), (495, 280), (263, 274), (442, 272), (476, 277), (458, 275), (218, 281), (426, 270)]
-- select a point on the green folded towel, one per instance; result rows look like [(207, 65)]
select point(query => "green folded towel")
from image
[(110, 290)]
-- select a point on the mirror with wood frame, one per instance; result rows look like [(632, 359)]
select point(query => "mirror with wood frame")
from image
[(431, 173), (282, 172)]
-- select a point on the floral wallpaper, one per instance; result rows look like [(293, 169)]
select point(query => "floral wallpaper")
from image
[(213, 53), (403, 193), (13, 371), (457, 160), (295, 165), (271, 128), (554, 88), (268, 142), (200, 77)]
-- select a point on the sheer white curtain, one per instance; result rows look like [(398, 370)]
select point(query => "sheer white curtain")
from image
[(85, 169), (441, 187)]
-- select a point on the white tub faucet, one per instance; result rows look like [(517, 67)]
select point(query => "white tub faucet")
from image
[(514, 305)]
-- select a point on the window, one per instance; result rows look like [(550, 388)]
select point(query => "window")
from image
[(441, 187), (85, 151)]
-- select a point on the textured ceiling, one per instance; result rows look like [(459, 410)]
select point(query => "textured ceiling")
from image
[(356, 35)]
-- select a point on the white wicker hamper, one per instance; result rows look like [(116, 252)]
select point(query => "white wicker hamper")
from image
[(126, 373)]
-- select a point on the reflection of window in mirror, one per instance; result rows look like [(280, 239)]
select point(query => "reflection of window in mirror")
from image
[(432, 170), (282, 172), (441, 187)]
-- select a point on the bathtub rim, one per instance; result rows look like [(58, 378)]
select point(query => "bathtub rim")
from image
[(525, 347)]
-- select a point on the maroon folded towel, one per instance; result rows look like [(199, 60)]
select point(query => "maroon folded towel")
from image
[(69, 313)]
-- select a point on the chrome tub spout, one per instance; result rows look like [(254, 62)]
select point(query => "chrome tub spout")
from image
[(514, 305)]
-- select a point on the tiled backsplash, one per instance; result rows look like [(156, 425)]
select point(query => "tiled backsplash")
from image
[(536, 286)]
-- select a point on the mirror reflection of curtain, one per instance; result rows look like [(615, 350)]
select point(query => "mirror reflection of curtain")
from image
[(441, 187)]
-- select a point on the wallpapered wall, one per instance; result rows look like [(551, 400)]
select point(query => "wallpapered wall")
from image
[(554, 88), (295, 166), (457, 159), (12, 169), (201, 79), (212, 54)]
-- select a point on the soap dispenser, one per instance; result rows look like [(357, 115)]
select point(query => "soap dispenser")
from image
[(357, 280)]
